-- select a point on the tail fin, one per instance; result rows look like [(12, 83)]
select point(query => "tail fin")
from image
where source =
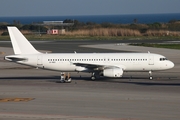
[(20, 44)]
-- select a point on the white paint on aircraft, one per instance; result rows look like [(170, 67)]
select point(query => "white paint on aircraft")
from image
[(106, 64)]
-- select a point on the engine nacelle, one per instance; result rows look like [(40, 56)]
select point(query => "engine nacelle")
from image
[(113, 72)]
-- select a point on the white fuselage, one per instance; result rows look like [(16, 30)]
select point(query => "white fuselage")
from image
[(68, 62), (106, 64)]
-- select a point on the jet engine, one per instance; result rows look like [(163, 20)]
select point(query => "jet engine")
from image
[(113, 72)]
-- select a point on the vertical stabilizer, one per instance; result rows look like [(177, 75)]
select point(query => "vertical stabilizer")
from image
[(20, 44)]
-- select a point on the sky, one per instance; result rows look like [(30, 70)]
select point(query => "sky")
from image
[(11, 8)]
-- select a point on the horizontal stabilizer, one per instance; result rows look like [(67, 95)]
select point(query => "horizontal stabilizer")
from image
[(15, 58)]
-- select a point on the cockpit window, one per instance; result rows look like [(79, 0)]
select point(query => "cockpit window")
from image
[(163, 59)]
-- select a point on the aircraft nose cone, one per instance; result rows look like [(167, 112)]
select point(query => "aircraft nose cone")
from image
[(171, 65)]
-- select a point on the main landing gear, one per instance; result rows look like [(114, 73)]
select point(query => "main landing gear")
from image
[(95, 75), (65, 78), (150, 75)]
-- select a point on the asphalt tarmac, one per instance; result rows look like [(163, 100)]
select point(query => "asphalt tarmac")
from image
[(32, 94)]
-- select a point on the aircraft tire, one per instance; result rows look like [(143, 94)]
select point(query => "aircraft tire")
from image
[(150, 78)]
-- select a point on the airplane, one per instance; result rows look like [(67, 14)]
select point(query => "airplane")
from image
[(99, 64)]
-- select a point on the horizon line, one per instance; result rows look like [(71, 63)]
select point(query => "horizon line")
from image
[(90, 15)]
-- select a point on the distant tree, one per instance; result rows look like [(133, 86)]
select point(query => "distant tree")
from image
[(34, 28), (155, 25), (25, 27), (172, 21), (106, 25), (76, 25), (174, 26), (3, 27), (5, 34), (16, 22), (68, 21), (76, 22), (135, 21), (90, 23), (4, 23)]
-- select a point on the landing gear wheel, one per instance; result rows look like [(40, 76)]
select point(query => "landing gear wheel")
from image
[(62, 81), (151, 78), (68, 81), (95, 75), (150, 75), (93, 78)]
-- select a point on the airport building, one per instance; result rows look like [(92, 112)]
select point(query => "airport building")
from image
[(56, 23), (56, 31)]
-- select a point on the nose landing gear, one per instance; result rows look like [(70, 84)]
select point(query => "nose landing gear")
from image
[(150, 75)]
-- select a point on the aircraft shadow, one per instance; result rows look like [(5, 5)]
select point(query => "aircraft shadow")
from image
[(30, 78), (144, 81)]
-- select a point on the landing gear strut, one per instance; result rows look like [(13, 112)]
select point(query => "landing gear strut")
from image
[(93, 76), (150, 75), (65, 78)]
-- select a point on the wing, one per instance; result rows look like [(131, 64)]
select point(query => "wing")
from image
[(90, 66), (95, 66)]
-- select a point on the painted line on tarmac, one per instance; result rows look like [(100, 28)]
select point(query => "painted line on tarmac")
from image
[(16, 99), (1, 53)]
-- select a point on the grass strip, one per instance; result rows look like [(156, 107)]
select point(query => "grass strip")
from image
[(75, 37)]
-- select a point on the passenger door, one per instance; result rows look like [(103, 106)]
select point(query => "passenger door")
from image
[(151, 60), (39, 60)]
